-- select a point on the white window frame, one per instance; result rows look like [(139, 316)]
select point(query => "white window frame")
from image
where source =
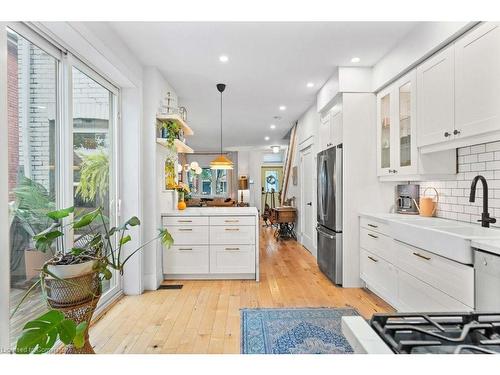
[(63, 155), (213, 186)]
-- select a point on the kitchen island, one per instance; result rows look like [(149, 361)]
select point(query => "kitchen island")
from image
[(212, 243)]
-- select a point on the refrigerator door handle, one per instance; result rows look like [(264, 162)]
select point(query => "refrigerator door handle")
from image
[(325, 234)]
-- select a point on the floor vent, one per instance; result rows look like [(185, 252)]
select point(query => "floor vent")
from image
[(173, 286)]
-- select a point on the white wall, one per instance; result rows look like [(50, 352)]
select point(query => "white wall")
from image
[(422, 41), (361, 189), (155, 89), (307, 127)]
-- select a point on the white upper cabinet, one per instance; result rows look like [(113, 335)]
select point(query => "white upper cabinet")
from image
[(396, 128), (325, 132), (435, 81), (477, 81), (336, 127)]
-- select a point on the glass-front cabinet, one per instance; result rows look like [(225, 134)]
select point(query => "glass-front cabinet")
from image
[(396, 132)]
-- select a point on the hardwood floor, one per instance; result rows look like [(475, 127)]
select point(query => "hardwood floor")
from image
[(204, 317)]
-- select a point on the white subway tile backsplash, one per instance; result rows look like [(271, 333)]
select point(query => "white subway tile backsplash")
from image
[(486, 156), (483, 159), (470, 159), (477, 149), (466, 150), (493, 146)]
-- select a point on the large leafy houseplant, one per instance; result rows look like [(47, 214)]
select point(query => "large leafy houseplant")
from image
[(94, 176), (97, 243)]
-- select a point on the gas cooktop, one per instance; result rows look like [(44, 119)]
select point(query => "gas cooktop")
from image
[(441, 333)]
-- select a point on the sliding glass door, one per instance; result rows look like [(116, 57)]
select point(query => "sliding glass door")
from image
[(62, 120), (93, 118), (32, 88)]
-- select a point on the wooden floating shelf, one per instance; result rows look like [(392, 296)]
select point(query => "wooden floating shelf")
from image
[(180, 146), (178, 120)]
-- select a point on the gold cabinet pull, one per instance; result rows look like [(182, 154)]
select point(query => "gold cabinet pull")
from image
[(185, 229), (232, 229), (232, 248), (422, 256), (231, 221), (372, 259), (184, 221), (373, 225), (185, 248), (373, 236)]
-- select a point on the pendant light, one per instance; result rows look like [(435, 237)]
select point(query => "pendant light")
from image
[(221, 161)]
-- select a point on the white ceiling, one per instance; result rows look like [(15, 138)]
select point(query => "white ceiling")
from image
[(269, 65)]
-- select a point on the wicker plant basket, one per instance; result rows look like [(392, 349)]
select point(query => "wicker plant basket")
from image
[(77, 299)]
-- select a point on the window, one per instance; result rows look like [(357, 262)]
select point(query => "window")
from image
[(209, 183), (92, 148), (39, 143), (32, 97)]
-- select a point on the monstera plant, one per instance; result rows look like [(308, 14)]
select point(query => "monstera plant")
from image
[(97, 250)]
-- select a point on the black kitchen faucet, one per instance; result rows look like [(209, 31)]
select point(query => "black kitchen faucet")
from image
[(485, 216)]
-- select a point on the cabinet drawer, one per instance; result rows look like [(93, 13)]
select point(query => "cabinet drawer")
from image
[(186, 259), (232, 235), (374, 225), (376, 243), (379, 275), (232, 220), (232, 259), (416, 296), (454, 279), (184, 220), (189, 235)]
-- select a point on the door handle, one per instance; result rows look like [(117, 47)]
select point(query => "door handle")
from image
[(447, 134), (309, 203), (325, 234), (456, 132)]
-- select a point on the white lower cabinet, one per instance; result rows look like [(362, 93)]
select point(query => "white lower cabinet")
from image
[(211, 247), (414, 295), (185, 259), (412, 279), (232, 259), (380, 275)]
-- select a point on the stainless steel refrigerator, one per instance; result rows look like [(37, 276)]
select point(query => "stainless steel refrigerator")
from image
[(329, 213)]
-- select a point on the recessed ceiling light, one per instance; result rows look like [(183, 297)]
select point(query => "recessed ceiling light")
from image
[(266, 138), (282, 107), (310, 84), (223, 58), (355, 60), (272, 126)]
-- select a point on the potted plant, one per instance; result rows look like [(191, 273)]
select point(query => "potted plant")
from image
[(170, 131), (28, 217), (73, 277)]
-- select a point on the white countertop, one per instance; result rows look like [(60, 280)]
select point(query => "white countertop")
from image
[(214, 211), (451, 239), (491, 246)]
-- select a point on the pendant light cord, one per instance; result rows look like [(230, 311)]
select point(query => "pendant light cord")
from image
[(221, 123)]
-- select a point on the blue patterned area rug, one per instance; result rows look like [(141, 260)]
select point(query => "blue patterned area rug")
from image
[(294, 331)]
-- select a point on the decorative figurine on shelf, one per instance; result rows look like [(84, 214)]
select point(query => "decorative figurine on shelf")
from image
[(183, 190)]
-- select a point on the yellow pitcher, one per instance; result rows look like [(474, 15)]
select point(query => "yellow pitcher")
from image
[(427, 205)]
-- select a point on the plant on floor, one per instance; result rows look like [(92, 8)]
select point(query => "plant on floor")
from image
[(96, 251)]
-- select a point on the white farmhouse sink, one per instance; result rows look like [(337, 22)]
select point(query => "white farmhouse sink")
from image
[(448, 238)]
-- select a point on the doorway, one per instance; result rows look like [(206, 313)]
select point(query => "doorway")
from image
[(307, 204), (271, 183)]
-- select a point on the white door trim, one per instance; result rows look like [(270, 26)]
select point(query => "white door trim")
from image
[(303, 146)]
